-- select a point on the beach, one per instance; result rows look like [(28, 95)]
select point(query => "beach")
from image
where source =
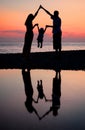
[(68, 60)]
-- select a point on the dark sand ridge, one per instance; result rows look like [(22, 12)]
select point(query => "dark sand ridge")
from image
[(69, 60)]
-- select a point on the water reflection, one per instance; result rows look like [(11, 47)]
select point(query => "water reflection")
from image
[(13, 95), (56, 94), (41, 94), (55, 97), (29, 92)]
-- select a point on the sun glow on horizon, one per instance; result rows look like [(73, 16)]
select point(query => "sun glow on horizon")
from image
[(13, 17)]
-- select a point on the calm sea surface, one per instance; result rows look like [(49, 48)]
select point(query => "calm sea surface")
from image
[(16, 47), (41, 99), (23, 108)]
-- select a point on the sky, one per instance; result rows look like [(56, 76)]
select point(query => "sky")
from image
[(14, 13)]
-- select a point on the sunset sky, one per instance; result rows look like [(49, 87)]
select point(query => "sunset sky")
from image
[(13, 15)]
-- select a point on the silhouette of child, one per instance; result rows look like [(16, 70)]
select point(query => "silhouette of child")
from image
[(41, 94), (40, 36)]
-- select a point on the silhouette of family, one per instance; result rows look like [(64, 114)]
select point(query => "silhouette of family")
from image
[(56, 94), (56, 30)]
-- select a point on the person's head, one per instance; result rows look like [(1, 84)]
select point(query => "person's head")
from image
[(55, 111), (42, 30), (56, 13), (30, 17), (29, 107)]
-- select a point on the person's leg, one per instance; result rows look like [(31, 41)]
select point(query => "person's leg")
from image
[(41, 45), (38, 44), (30, 39)]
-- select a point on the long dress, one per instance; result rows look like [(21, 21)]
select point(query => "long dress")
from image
[(28, 38)]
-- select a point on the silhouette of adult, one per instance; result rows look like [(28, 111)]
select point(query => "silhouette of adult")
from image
[(57, 33), (56, 94), (29, 92), (29, 33)]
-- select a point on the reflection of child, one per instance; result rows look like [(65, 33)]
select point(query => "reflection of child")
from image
[(40, 90), (41, 94), (40, 36)]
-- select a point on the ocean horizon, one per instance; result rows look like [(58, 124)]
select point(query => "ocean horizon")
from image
[(17, 46)]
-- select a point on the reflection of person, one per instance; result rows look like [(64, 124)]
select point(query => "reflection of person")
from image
[(56, 29), (56, 94), (41, 94), (29, 92), (29, 33), (40, 36)]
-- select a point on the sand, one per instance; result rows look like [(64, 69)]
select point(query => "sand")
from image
[(68, 60)]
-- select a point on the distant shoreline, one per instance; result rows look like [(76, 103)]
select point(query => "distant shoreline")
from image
[(69, 60)]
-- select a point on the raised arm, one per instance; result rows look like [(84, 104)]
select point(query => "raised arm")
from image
[(45, 29), (35, 25), (46, 113), (47, 100), (36, 113), (36, 12), (45, 10), (49, 26)]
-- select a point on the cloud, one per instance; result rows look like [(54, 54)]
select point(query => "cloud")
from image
[(7, 35), (12, 31), (72, 36), (18, 35)]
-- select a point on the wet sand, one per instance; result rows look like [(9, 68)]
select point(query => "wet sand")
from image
[(68, 60)]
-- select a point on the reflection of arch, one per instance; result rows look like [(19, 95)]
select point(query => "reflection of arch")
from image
[(56, 94), (29, 92)]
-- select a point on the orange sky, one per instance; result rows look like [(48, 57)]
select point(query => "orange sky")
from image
[(13, 15)]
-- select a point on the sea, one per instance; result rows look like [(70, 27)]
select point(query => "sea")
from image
[(17, 46), (22, 106)]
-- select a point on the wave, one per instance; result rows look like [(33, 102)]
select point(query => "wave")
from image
[(16, 47)]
